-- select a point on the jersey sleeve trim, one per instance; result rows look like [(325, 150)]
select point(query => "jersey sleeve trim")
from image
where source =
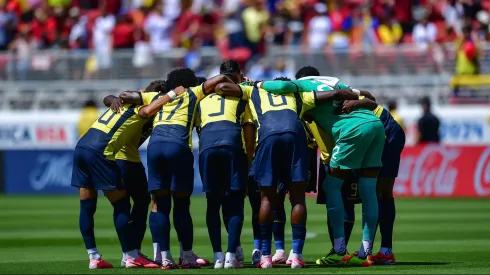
[(203, 90), (141, 98)]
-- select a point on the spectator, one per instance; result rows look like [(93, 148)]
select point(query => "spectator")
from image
[(482, 23), (363, 26), (428, 124), (78, 38), (22, 47), (123, 33), (255, 18), (424, 32), (142, 58), (233, 24), (159, 29), (43, 28), (467, 55), (392, 108), (278, 25), (319, 28), (389, 31), (452, 13), (193, 57), (102, 33), (295, 28), (8, 24), (88, 116)]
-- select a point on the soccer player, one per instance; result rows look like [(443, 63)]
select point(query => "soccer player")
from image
[(223, 168), (358, 146), (281, 157), (129, 162), (393, 147), (95, 168), (170, 165)]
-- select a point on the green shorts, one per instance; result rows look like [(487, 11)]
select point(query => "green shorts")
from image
[(359, 148)]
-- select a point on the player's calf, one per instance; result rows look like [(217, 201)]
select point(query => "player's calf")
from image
[(298, 222)]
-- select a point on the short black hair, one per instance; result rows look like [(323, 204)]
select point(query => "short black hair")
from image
[(307, 71), (201, 80), (282, 78), (156, 86), (425, 101), (391, 105), (180, 77), (229, 67), (90, 103)]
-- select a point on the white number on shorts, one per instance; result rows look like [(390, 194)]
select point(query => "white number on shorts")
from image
[(335, 151)]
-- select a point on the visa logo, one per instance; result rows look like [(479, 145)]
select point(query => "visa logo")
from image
[(51, 134)]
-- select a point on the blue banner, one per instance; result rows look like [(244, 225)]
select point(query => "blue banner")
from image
[(49, 171)]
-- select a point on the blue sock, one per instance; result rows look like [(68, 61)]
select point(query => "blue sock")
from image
[(122, 211), (213, 220), (86, 222), (235, 224), (367, 191), (299, 234), (349, 220), (335, 205), (387, 214), (266, 238), (160, 223), (139, 215), (254, 198), (183, 222), (279, 223)]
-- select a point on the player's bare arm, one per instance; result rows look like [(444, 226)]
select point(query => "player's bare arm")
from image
[(154, 107), (130, 97), (228, 89), (249, 136), (341, 94), (210, 84), (368, 95), (365, 103)]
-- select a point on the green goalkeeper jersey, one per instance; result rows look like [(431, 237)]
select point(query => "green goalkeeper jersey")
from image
[(325, 114)]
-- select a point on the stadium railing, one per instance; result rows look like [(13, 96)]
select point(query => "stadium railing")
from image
[(64, 79)]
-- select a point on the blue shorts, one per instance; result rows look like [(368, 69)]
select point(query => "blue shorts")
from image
[(223, 168), (391, 155), (93, 170), (170, 167), (133, 176), (280, 158)]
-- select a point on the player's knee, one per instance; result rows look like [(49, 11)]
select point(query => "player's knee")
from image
[(369, 172), (384, 187), (339, 173), (87, 193), (115, 195)]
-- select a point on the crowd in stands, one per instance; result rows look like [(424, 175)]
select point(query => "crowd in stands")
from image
[(240, 29)]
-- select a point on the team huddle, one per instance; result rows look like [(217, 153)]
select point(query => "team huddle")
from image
[(257, 139)]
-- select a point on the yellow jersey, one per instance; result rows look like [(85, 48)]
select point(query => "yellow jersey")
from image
[(87, 118), (112, 131), (274, 114), (220, 120), (175, 121)]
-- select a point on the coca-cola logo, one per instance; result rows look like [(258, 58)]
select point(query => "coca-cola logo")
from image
[(482, 174), (429, 173), (51, 170)]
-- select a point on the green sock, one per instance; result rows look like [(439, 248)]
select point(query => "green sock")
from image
[(335, 205), (367, 191)]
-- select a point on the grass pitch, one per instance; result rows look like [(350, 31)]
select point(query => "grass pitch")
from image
[(39, 235)]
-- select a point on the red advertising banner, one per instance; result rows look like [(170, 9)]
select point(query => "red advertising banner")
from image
[(444, 171)]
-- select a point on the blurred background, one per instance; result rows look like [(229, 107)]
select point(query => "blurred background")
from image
[(59, 58)]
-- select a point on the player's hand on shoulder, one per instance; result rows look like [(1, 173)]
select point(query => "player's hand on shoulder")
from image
[(117, 105), (345, 95), (349, 106), (179, 90)]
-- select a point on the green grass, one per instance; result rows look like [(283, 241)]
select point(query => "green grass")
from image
[(39, 235)]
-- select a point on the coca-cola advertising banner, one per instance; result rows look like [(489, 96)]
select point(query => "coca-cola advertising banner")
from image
[(444, 171), (425, 171)]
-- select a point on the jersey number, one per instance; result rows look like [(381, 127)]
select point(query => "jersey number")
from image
[(105, 122), (172, 113), (271, 100), (222, 106)]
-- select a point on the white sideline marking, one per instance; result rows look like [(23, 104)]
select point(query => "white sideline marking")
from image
[(311, 235)]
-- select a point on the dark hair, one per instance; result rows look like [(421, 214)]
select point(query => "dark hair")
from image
[(180, 77), (391, 105), (201, 80), (282, 78), (90, 103), (307, 71), (425, 101), (229, 67), (156, 86), (467, 28)]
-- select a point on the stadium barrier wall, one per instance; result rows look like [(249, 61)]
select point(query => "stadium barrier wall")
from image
[(37, 150)]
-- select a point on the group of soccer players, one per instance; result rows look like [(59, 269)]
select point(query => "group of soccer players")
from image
[(257, 139)]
